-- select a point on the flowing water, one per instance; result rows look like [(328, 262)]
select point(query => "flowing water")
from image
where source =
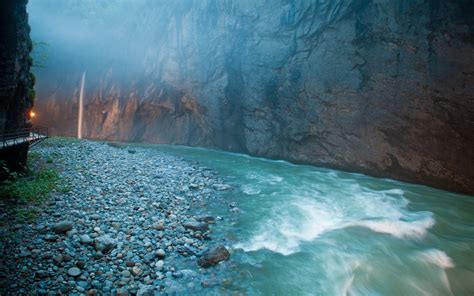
[(304, 230), (81, 107)]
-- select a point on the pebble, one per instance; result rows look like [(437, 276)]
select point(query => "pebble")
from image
[(159, 265), (105, 244), (74, 271), (62, 227), (86, 239), (126, 229)]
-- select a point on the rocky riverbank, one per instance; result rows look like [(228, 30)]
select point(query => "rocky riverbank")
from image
[(130, 221)]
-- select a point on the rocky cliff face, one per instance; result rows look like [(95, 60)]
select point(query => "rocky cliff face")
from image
[(16, 82), (15, 79), (378, 86)]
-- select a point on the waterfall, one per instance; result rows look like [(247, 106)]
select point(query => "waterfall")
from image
[(81, 106)]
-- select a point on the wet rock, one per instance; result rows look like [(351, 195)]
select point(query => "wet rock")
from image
[(221, 187), (213, 256), (41, 274), (160, 253), (196, 226), (122, 292), (158, 226), (130, 263), (206, 219), (95, 216), (159, 265), (74, 271), (146, 290), (136, 271), (105, 244), (58, 260), (86, 239), (123, 243), (80, 264), (149, 257), (62, 227)]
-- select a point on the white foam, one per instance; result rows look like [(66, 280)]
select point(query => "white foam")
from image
[(395, 191), (301, 220), (398, 228), (303, 214), (436, 257), (250, 189)]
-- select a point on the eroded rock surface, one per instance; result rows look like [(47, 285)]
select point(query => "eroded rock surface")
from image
[(380, 87)]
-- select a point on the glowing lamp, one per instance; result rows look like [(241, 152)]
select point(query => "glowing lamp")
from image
[(32, 114)]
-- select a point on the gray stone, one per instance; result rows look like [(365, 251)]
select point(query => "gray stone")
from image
[(74, 271), (86, 239), (122, 292), (160, 253), (196, 226), (213, 256), (146, 290), (105, 244), (62, 227)]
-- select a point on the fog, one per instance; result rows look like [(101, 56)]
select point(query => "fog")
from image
[(89, 34)]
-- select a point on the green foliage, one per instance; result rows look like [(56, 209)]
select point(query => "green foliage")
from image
[(40, 54), (59, 141), (30, 61), (31, 94), (26, 215), (32, 79), (32, 187)]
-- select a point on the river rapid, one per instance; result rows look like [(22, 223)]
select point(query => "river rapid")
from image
[(303, 230)]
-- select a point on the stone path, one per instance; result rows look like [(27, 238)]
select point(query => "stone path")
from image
[(132, 223)]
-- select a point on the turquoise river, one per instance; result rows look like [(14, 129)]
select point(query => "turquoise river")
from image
[(303, 230)]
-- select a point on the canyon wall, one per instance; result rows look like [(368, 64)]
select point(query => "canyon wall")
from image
[(382, 87), (16, 82)]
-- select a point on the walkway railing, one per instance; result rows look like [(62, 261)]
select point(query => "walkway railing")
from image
[(31, 135)]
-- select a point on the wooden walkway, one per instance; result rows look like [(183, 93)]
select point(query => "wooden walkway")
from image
[(32, 136)]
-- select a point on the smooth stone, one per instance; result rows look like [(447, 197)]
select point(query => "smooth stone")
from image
[(206, 219), (159, 265), (126, 273), (80, 264), (221, 187), (130, 263), (196, 226), (62, 227), (158, 226), (74, 271), (146, 290), (105, 244), (160, 253), (41, 274), (136, 271), (86, 239), (148, 257), (122, 292), (213, 256)]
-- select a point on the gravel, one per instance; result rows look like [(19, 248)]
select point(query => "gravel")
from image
[(133, 222)]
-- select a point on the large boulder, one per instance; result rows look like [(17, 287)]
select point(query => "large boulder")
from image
[(196, 226), (213, 256)]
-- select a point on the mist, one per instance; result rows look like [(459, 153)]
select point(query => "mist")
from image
[(236, 147), (330, 83)]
